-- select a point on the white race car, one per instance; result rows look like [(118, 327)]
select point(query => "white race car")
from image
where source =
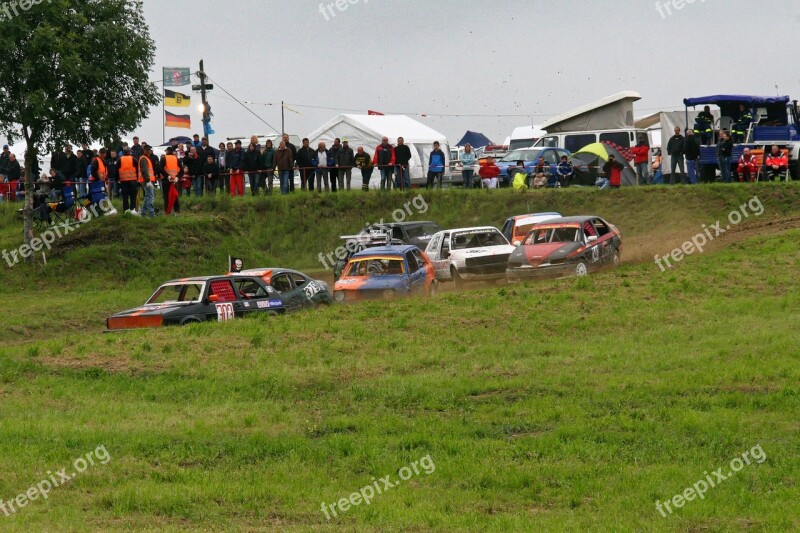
[(469, 254)]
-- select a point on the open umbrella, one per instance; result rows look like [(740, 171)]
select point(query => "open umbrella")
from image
[(592, 154)]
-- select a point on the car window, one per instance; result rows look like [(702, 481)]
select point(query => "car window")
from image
[(434, 244), (299, 280), (223, 289), (418, 258), (282, 283), (376, 267), (588, 229), (507, 228), (530, 155), (621, 138), (548, 142), (397, 233), (249, 288), (551, 156), (478, 239), (412, 262), (187, 292), (573, 143), (601, 227), (550, 235), (445, 246)]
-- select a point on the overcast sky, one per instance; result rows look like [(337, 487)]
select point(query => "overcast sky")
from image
[(532, 58)]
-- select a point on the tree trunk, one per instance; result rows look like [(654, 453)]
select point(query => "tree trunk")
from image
[(27, 226)]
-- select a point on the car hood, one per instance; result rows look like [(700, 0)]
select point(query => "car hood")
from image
[(537, 254), (372, 283), (503, 249)]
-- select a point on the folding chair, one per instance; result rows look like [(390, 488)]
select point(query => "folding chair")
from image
[(64, 211)]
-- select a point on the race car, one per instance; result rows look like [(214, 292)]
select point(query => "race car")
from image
[(517, 227), (569, 246), (199, 299), (385, 272), (469, 254)]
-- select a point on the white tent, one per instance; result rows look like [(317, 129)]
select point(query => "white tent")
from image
[(368, 130), (661, 126)]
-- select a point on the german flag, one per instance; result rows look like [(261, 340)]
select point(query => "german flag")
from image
[(171, 120), (173, 99)]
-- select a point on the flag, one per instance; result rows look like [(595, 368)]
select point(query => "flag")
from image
[(236, 264), (371, 112), (176, 76), (171, 120), (173, 99), (172, 196)]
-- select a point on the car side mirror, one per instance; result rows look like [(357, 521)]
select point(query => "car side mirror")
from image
[(213, 298), (591, 238)]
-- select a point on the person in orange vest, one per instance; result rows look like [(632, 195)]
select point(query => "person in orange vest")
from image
[(747, 166), (99, 170), (170, 170), (775, 164), (128, 179), (147, 175)]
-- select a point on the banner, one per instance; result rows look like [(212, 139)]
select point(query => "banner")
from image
[(173, 99), (176, 76), (171, 120), (371, 112)]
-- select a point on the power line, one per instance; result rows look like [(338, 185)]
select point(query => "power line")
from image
[(241, 104)]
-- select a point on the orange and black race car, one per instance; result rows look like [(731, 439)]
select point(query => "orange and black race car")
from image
[(569, 246), (270, 290), (386, 272)]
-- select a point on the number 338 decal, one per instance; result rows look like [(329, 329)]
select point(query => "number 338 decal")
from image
[(595, 254), (224, 312)]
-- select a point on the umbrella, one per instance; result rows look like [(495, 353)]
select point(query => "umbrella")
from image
[(595, 152)]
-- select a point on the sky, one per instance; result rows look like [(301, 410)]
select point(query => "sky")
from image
[(488, 66)]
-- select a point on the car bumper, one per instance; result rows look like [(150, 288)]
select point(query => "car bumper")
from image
[(540, 272)]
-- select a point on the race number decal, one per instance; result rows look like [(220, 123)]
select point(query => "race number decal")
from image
[(311, 289), (224, 312), (595, 254)]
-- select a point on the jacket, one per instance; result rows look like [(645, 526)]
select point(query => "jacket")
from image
[(436, 161), (211, 169), (5, 159), (724, 148), (675, 145), (640, 154), (268, 159), (195, 165), (321, 157), (112, 168), (333, 155), (613, 171), (489, 171), (235, 159), (284, 160), (252, 161), (691, 148), (363, 160), (402, 154), (14, 171), (306, 157), (468, 160), (384, 156), (346, 157), (69, 166)]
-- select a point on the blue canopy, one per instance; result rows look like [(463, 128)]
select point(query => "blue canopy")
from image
[(729, 104), (474, 139)]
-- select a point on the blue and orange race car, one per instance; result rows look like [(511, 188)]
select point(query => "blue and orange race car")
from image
[(386, 272)]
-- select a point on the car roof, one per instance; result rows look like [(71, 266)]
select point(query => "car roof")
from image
[(474, 228), (567, 220), (401, 224), (385, 250), (529, 215), (195, 279), (258, 271)]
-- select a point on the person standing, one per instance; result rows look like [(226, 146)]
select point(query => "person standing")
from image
[(195, 165), (468, 160), (268, 164), (305, 163), (285, 163), (83, 162), (724, 150), (236, 166), (384, 159), (333, 157), (99, 170), (5, 158), (742, 125), (402, 160), (675, 152), (364, 164), (112, 167), (704, 125), (691, 151), (641, 160), (170, 170), (252, 166), (128, 181), (345, 161), (293, 149), (148, 177), (436, 163), (137, 149), (69, 164), (321, 157)]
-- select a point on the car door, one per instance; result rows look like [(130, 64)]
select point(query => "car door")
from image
[(605, 240), (306, 290), (293, 298), (416, 272), (592, 254), (508, 229), (257, 296), (224, 303)]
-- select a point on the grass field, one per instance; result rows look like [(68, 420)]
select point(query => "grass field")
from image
[(563, 405)]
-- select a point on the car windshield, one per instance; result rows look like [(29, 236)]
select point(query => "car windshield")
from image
[(376, 266), (423, 230), (549, 235), (478, 239), (177, 292), (524, 155)]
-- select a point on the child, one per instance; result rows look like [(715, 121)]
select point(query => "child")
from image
[(186, 182)]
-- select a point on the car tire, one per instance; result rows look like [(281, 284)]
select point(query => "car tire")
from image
[(458, 281), (190, 320), (581, 269), (615, 259)]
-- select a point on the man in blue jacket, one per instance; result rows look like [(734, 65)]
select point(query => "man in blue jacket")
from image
[(436, 164)]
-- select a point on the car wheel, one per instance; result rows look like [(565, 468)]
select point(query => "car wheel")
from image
[(580, 269), (457, 279), (615, 258), (190, 320)]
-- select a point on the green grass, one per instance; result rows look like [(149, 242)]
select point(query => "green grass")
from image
[(570, 404)]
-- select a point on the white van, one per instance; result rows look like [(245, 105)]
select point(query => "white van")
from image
[(524, 137), (575, 140)]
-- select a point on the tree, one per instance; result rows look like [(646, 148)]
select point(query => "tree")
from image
[(73, 71)]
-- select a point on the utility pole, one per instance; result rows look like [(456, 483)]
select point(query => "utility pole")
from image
[(283, 120), (206, 118)]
